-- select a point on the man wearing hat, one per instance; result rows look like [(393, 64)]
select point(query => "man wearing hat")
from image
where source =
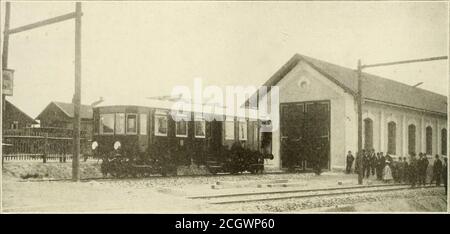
[(437, 170), (444, 174), (413, 168)]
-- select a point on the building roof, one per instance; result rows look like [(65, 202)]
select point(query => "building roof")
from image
[(68, 109), (25, 115), (373, 87)]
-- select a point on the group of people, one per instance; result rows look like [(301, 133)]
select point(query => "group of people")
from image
[(402, 170)]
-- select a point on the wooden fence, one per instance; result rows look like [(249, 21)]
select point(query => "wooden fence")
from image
[(42, 145)]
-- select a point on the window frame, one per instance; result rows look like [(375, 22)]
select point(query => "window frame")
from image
[(165, 116), (198, 120), (412, 129), (140, 123), (124, 123), (444, 150), (229, 120), (368, 138), (392, 140), (135, 123), (243, 121), (429, 141), (100, 122), (176, 128)]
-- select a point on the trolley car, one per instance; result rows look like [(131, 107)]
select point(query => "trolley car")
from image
[(156, 138)]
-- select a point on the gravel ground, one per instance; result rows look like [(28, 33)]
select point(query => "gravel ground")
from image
[(419, 200), (170, 195)]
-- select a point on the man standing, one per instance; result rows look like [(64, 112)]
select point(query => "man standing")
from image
[(444, 174), (437, 169), (400, 167), (381, 163), (377, 165), (423, 165), (405, 170), (413, 168), (373, 162), (350, 160), (366, 163)]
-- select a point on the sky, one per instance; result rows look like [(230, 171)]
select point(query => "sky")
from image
[(133, 50)]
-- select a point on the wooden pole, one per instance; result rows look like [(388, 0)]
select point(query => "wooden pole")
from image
[(42, 23), (5, 46), (405, 61), (359, 99), (77, 96)]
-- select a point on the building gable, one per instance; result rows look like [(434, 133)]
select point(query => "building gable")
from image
[(13, 115), (53, 116), (304, 83)]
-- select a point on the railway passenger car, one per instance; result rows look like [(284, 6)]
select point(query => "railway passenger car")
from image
[(159, 138)]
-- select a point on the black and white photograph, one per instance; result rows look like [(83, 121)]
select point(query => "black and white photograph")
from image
[(224, 107)]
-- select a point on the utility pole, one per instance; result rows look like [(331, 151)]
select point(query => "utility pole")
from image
[(5, 46), (360, 98), (77, 96)]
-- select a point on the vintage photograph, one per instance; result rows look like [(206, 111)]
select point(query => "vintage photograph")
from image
[(224, 107)]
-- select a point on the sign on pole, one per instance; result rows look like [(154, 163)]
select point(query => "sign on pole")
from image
[(8, 82)]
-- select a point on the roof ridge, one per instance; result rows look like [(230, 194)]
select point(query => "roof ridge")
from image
[(365, 74)]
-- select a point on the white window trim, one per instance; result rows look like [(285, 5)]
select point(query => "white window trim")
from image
[(196, 121), (126, 124), (157, 133), (176, 129), (225, 128), (100, 122), (146, 124), (246, 130)]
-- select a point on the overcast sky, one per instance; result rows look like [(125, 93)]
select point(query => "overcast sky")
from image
[(141, 49)]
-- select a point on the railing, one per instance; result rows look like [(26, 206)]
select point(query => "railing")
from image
[(41, 144)]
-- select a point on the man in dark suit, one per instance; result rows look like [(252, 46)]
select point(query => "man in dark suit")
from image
[(423, 165), (366, 163), (373, 162), (413, 169), (381, 164), (350, 160), (444, 174), (437, 170)]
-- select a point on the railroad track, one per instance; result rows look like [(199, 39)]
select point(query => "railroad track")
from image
[(303, 193)]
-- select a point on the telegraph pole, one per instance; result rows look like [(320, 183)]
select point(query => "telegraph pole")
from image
[(359, 100), (77, 96), (5, 46)]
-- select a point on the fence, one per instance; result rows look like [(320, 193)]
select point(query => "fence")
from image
[(41, 144)]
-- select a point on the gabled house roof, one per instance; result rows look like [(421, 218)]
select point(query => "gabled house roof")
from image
[(68, 109), (374, 87), (13, 108)]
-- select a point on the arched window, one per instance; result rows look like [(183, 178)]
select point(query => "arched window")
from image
[(429, 140), (368, 133), (444, 141), (391, 138), (412, 139)]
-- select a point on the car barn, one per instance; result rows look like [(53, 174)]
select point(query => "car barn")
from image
[(318, 116)]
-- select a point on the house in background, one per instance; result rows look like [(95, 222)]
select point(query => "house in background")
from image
[(60, 115), (14, 118)]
